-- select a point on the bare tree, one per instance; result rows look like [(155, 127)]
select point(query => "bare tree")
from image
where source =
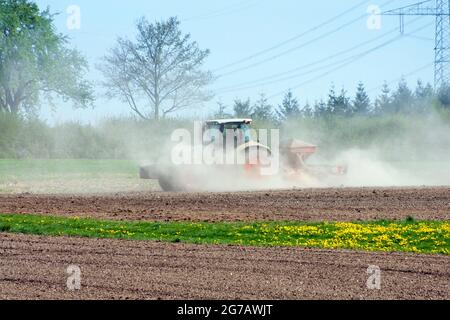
[(158, 73)]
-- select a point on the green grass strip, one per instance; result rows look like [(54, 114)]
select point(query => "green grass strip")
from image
[(11, 170), (402, 236)]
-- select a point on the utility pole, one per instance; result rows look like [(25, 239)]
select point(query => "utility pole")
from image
[(441, 11)]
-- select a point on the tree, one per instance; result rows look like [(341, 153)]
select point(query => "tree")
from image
[(262, 110), (361, 103), (383, 104), (403, 98), (221, 111), (444, 95), (339, 105), (242, 108), (35, 62), (321, 109), (162, 67), (423, 96), (289, 108), (307, 111), (332, 97), (342, 104)]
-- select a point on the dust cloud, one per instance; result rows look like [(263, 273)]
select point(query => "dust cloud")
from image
[(405, 152)]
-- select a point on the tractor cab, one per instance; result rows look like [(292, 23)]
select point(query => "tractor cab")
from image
[(241, 128)]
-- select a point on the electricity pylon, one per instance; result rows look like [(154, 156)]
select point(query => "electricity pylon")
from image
[(441, 12)]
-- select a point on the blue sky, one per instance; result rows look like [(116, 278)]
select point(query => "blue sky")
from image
[(237, 29)]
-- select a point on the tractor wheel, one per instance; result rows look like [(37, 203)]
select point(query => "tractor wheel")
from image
[(169, 185)]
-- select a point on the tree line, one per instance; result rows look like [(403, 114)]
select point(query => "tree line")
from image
[(401, 100)]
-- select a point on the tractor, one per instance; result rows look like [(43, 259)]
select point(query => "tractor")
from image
[(221, 136)]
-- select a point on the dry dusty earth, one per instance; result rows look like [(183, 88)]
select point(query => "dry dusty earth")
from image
[(33, 267), (306, 205)]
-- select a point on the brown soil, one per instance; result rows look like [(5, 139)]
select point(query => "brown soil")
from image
[(33, 267), (307, 205)]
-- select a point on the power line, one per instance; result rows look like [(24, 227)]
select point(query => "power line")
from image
[(441, 12), (287, 78), (406, 75), (291, 39), (412, 10), (322, 36), (419, 37), (355, 58), (258, 82)]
